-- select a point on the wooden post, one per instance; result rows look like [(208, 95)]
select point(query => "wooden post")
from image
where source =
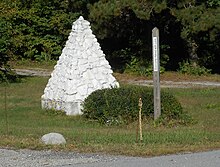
[(156, 72)]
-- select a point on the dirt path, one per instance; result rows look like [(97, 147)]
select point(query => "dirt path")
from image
[(173, 84), (33, 72), (169, 84)]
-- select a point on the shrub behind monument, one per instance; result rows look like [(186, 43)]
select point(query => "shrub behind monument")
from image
[(120, 105)]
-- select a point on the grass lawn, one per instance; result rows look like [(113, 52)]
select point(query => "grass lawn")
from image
[(27, 122)]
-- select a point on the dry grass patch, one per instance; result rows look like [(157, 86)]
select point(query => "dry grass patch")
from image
[(168, 76)]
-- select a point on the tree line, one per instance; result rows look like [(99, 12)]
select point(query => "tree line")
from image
[(189, 30)]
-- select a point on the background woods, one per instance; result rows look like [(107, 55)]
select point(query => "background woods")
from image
[(189, 30)]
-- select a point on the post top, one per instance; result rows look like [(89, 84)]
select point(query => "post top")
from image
[(155, 32)]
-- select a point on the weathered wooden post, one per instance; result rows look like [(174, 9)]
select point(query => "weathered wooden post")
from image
[(156, 72)]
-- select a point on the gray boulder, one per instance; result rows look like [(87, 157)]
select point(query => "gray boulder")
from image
[(53, 138)]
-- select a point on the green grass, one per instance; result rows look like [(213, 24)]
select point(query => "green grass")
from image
[(27, 122)]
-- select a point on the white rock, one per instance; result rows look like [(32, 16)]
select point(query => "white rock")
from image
[(85, 23), (53, 138), (70, 98), (96, 84), (103, 62), (82, 62), (82, 90)]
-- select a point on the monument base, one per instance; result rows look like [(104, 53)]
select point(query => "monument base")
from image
[(70, 108)]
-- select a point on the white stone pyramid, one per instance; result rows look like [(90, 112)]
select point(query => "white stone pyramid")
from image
[(80, 70)]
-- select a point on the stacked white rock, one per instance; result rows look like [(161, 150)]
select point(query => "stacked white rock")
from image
[(80, 70)]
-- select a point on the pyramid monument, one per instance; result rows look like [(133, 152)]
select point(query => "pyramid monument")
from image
[(80, 70)]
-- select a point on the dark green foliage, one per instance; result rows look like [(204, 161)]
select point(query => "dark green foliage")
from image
[(193, 69), (37, 29), (140, 67), (120, 105), (7, 75), (200, 30), (189, 29), (4, 58), (4, 41), (213, 3), (41, 38)]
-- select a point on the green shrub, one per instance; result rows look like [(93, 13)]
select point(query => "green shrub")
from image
[(187, 67), (120, 105), (7, 75)]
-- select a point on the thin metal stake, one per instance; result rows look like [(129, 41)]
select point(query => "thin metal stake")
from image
[(140, 123), (6, 112)]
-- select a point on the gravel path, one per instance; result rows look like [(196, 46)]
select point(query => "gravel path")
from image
[(30, 158), (172, 84), (33, 72), (169, 84)]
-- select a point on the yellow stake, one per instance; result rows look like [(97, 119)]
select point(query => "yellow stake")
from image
[(140, 124)]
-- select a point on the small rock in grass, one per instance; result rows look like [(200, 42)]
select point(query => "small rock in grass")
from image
[(53, 138)]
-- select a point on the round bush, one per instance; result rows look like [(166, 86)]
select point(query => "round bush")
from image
[(120, 105)]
